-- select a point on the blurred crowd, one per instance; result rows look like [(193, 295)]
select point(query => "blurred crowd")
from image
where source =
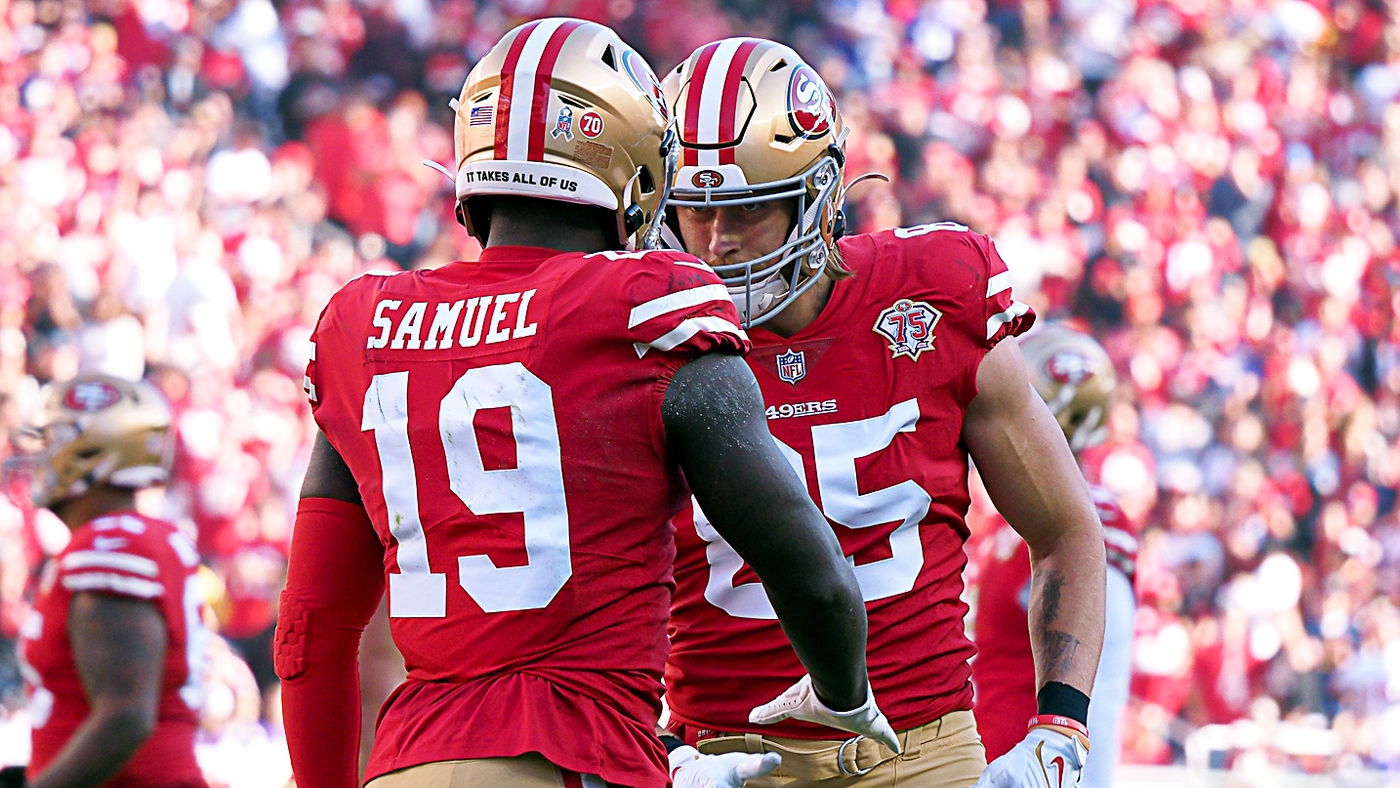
[(1208, 186)]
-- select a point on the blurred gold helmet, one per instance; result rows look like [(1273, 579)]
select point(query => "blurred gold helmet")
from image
[(1075, 377), (756, 124), (94, 429), (562, 109)]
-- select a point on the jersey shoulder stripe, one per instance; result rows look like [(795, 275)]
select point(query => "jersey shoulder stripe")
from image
[(89, 559), (676, 301), (689, 328), (124, 585)]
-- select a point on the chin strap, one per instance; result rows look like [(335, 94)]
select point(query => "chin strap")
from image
[(434, 165), (653, 237), (879, 176)]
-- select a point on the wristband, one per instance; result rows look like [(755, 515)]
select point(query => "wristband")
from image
[(1055, 720), (1063, 700), (1071, 728)]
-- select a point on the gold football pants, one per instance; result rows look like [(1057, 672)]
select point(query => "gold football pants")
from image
[(946, 753)]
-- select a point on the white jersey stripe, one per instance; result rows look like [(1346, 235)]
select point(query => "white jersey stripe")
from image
[(522, 102), (712, 99), (995, 322), (106, 581), (674, 301), (689, 328), (86, 559), (1115, 537), (999, 283)]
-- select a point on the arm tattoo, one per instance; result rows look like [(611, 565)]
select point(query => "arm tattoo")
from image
[(1057, 649), (1050, 596)]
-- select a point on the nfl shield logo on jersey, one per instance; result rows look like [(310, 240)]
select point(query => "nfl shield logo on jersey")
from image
[(908, 325), (792, 367)]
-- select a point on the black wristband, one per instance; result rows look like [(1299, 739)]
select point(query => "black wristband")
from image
[(671, 742), (1062, 699)]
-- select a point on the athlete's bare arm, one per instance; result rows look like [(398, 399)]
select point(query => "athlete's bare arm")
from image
[(327, 475), (717, 431), (119, 650), (1032, 478)]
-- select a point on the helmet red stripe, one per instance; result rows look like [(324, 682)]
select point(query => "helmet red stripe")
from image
[(507, 91), (690, 131), (539, 109), (729, 106)]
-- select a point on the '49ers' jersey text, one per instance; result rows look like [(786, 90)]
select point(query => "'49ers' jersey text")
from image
[(503, 423), (867, 403)]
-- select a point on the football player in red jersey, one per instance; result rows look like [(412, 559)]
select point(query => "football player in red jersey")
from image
[(113, 650), (1074, 376), (883, 367), (503, 442)]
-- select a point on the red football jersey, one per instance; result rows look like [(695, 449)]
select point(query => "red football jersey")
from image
[(1004, 670), (132, 556), (502, 420), (867, 403)]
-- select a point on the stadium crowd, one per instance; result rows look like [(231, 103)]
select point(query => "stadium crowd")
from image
[(1209, 186)]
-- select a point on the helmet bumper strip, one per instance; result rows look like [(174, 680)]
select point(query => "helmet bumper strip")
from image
[(801, 260)]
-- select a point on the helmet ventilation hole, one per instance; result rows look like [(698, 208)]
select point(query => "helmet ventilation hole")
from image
[(782, 63), (610, 57), (645, 180)]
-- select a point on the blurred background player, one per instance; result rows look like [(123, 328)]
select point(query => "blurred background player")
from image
[(113, 650), (883, 367), (505, 440), (1074, 376)]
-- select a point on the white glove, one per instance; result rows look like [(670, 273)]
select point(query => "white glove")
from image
[(800, 702), (1046, 758), (690, 769)]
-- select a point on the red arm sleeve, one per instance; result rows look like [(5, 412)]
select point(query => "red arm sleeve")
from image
[(335, 578)]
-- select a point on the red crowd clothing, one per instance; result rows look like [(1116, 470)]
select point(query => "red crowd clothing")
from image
[(125, 555), (868, 404), (532, 380)]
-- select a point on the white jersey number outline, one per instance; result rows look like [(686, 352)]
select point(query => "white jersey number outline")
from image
[(835, 448), (535, 488)]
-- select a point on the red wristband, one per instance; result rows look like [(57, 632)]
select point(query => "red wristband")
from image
[(1059, 722)]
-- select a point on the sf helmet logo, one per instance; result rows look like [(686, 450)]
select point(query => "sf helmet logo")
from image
[(92, 395), (707, 179), (640, 74), (1069, 367), (811, 109)]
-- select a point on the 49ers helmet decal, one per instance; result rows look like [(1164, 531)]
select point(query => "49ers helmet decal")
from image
[(563, 109), (94, 429), (756, 124), (1075, 377)]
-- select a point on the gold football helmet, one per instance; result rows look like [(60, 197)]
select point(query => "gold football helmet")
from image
[(757, 124), (94, 429), (562, 109), (1075, 377)]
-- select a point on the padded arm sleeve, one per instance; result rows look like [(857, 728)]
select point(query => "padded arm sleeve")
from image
[(335, 579)]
